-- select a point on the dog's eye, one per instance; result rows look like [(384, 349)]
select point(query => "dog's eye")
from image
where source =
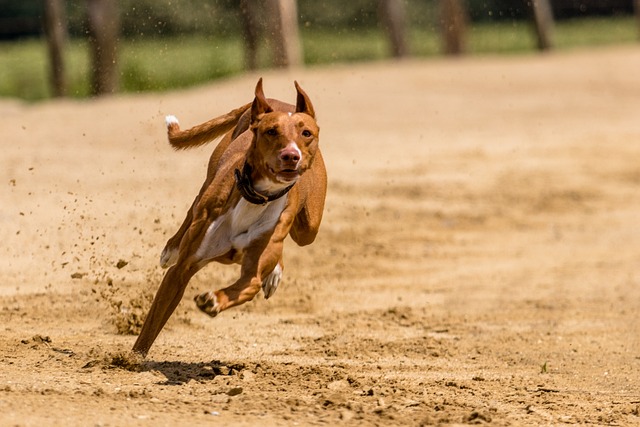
[(272, 132), (306, 133)]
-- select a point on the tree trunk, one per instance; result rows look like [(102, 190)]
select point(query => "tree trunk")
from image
[(250, 30), (104, 27), (283, 20), (543, 22), (392, 16), (55, 26), (453, 18)]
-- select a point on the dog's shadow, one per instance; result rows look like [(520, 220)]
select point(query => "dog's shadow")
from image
[(178, 373)]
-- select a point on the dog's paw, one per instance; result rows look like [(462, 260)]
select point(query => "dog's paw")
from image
[(271, 282), (168, 257), (208, 303)]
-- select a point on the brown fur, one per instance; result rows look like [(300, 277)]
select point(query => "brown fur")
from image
[(261, 134)]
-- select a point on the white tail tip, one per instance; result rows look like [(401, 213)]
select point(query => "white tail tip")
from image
[(171, 120)]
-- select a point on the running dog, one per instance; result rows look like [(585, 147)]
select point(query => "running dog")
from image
[(266, 180)]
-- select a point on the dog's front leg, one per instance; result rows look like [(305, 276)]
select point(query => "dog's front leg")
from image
[(260, 260), (308, 219), (271, 282)]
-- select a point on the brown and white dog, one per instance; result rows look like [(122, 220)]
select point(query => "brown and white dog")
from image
[(266, 179)]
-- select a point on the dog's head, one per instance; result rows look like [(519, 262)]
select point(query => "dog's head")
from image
[(284, 144)]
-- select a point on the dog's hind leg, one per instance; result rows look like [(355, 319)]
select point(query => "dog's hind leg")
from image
[(169, 254), (173, 285), (165, 302)]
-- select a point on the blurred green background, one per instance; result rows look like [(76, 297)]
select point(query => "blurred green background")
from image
[(167, 44)]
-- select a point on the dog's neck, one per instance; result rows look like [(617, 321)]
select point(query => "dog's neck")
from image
[(245, 184)]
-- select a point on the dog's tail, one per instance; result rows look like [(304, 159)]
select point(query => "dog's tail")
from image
[(205, 132)]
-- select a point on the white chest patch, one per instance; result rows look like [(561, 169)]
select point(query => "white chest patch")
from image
[(248, 221), (237, 228)]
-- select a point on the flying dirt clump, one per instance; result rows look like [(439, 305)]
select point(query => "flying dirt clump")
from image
[(121, 359), (129, 306)]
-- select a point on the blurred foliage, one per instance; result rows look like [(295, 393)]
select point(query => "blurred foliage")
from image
[(149, 18), (20, 17), (154, 64), (145, 18), (179, 43), (496, 10)]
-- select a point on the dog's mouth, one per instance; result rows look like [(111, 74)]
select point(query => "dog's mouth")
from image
[(285, 175), (288, 175)]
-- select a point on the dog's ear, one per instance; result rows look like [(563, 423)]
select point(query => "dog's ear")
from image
[(303, 103), (260, 105)]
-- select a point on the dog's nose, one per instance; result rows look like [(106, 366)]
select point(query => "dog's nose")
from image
[(290, 155)]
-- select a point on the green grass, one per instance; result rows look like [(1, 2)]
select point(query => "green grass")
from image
[(22, 70), (165, 63), (327, 46), (577, 33), (162, 64), (597, 32), (145, 65)]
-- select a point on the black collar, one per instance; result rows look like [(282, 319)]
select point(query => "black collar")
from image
[(248, 191)]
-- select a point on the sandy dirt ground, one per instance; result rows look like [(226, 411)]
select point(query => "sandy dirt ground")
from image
[(478, 263)]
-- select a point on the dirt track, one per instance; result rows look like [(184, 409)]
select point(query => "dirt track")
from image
[(479, 261)]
